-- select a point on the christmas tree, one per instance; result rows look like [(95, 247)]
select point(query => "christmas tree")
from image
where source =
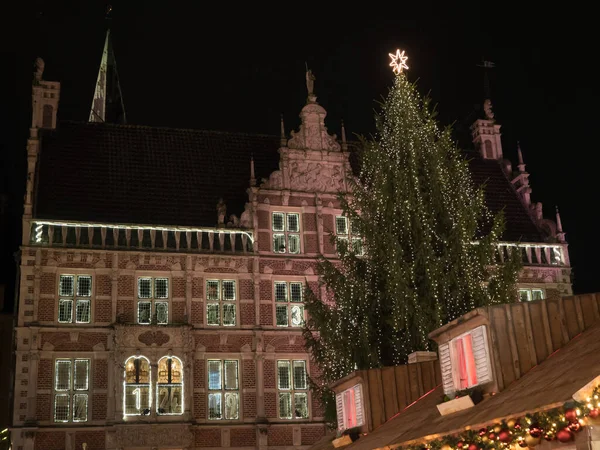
[(428, 252)]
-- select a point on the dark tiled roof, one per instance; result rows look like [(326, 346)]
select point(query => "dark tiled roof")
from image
[(501, 196), (135, 174)]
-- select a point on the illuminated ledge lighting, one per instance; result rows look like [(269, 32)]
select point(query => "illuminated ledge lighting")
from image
[(40, 223)]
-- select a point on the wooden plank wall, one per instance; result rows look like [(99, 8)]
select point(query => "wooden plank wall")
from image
[(525, 334), (391, 389)]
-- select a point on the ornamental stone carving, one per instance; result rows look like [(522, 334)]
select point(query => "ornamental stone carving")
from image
[(154, 337), (316, 176), (144, 436), (313, 134), (133, 336)]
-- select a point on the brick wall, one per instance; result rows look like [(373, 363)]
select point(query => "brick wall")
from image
[(197, 313), (46, 309), (48, 283), (125, 310), (269, 374), (43, 407), (271, 404), (179, 287), (99, 406), (178, 315), (50, 440), (311, 243), (94, 440), (264, 220), (264, 241), (310, 221), (126, 286), (45, 370), (103, 310), (199, 373), (100, 375), (207, 437), (249, 405), (200, 405), (103, 285), (242, 437), (280, 435), (266, 290), (246, 290), (247, 314), (266, 315), (248, 373), (197, 287), (310, 435)]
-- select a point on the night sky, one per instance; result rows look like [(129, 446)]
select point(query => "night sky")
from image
[(226, 68)]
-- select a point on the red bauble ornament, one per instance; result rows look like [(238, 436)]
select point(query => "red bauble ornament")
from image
[(482, 431), (564, 435), (571, 415), (522, 443), (594, 413), (492, 436), (549, 437), (473, 447), (535, 431), (460, 444), (517, 426), (574, 426), (505, 436)]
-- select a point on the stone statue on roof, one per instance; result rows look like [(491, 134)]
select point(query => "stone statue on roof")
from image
[(310, 82), (487, 108), (221, 212), (39, 68)]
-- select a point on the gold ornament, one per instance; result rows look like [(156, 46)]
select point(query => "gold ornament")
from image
[(398, 61), (531, 441), (497, 429), (446, 447), (484, 439), (511, 423)]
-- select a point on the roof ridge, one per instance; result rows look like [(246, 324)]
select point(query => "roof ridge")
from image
[(195, 130)]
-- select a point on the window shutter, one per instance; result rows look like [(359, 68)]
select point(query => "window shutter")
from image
[(359, 405), (481, 355), (339, 409), (446, 368)]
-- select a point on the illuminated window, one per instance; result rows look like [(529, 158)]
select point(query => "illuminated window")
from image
[(71, 387), (74, 291), (465, 361), (527, 295), (220, 302), (153, 300), (169, 389), (292, 385), (137, 398), (286, 232), (223, 390), (289, 309), (344, 233), (349, 408)]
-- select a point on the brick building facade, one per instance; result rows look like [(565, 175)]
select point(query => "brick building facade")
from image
[(151, 317)]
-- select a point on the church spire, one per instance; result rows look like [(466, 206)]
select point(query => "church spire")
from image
[(107, 105)]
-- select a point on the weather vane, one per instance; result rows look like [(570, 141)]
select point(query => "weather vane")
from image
[(398, 61)]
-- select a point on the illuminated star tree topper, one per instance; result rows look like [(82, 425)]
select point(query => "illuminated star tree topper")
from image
[(398, 61)]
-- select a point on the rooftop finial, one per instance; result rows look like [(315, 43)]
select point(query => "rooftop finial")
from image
[(344, 144), (560, 235), (252, 175), (282, 138), (520, 153)]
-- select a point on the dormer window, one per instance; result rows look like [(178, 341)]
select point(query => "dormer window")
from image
[(465, 361), (286, 232), (349, 408), (527, 295), (346, 235)]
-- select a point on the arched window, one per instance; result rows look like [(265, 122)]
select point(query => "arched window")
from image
[(489, 152), (169, 389), (137, 398)]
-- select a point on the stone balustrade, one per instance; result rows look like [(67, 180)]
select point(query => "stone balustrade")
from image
[(141, 237)]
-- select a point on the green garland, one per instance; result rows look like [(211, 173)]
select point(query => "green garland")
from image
[(555, 424)]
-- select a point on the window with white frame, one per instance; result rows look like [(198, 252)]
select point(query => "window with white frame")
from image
[(74, 291), (223, 390), (169, 388), (346, 235), (349, 408), (220, 302), (153, 300), (529, 294), (71, 388), (289, 309), (292, 385), (137, 397), (465, 361), (286, 232)]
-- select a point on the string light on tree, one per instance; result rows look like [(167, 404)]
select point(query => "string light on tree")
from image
[(398, 61)]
